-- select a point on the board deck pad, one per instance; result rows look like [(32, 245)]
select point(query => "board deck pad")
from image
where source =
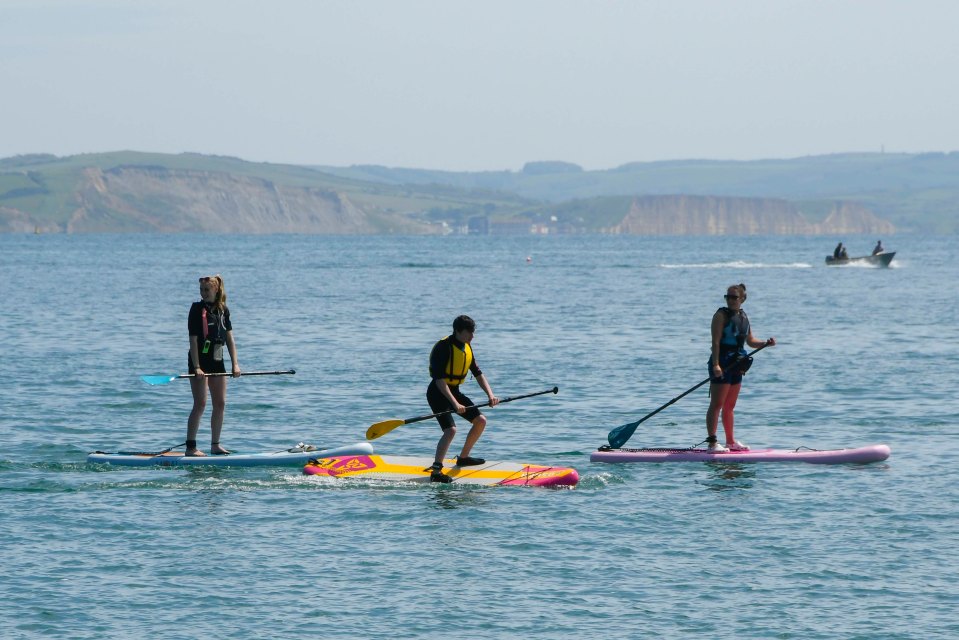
[(871, 453), (416, 469), (293, 457)]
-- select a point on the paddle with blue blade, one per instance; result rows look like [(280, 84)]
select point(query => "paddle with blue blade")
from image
[(618, 436), (382, 428), (167, 379)]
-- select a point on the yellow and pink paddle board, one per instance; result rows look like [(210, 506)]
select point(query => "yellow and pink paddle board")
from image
[(416, 469)]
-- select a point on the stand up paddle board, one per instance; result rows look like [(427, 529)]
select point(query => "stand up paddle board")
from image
[(872, 453), (416, 469), (295, 456)]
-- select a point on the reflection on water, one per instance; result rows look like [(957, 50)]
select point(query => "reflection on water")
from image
[(452, 497), (726, 476)]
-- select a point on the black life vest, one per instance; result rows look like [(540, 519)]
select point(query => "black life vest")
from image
[(214, 326)]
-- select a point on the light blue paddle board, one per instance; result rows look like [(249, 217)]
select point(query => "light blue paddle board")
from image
[(295, 456)]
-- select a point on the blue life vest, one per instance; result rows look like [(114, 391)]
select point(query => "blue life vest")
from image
[(735, 331)]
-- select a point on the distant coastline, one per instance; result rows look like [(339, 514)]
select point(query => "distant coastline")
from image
[(122, 192)]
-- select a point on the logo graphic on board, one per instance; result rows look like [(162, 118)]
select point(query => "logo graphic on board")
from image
[(338, 466)]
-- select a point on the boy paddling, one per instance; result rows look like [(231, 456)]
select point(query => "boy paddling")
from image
[(450, 361)]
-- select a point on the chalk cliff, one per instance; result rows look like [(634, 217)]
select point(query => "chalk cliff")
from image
[(154, 198), (706, 215), (159, 199)]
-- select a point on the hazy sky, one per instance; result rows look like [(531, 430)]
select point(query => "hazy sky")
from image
[(482, 85)]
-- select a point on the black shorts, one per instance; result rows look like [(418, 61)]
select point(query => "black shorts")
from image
[(207, 363), (439, 402), (732, 374)]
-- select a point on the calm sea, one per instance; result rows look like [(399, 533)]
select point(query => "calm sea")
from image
[(619, 324)]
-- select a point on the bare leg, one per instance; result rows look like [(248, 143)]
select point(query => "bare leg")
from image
[(475, 432), (198, 387), (444, 444), (729, 404), (717, 399), (218, 395)]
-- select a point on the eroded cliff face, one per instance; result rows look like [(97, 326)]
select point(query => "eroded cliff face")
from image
[(16, 221), (705, 215), (160, 199), (852, 218), (143, 199)]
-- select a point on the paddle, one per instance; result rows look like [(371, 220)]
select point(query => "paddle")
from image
[(618, 436), (382, 428), (168, 379)]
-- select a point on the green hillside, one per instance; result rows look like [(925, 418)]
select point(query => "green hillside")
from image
[(913, 191), (46, 186)]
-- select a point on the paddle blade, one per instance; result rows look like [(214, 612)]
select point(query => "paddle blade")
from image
[(158, 379), (618, 436), (382, 428)]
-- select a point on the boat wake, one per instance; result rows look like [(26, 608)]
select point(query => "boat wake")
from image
[(869, 265)]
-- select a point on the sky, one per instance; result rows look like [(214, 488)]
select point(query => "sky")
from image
[(486, 85)]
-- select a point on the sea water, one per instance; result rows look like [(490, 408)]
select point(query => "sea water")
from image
[(619, 324)]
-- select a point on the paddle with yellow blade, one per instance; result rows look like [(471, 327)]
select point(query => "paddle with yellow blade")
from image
[(382, 428)]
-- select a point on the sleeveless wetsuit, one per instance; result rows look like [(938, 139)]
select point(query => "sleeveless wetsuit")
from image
[(210, 327), (451, 360)]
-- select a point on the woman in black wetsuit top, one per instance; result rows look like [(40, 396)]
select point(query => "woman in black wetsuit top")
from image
[(210, 329)]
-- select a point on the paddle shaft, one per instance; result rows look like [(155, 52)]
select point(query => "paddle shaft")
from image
[(618, 436), (382, 428), (485, 404), (244, 374), (160, 379)]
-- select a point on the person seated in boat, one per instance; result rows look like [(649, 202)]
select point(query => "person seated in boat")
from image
[(878, 248), (727, 363), (837, 252), (843, 255)]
